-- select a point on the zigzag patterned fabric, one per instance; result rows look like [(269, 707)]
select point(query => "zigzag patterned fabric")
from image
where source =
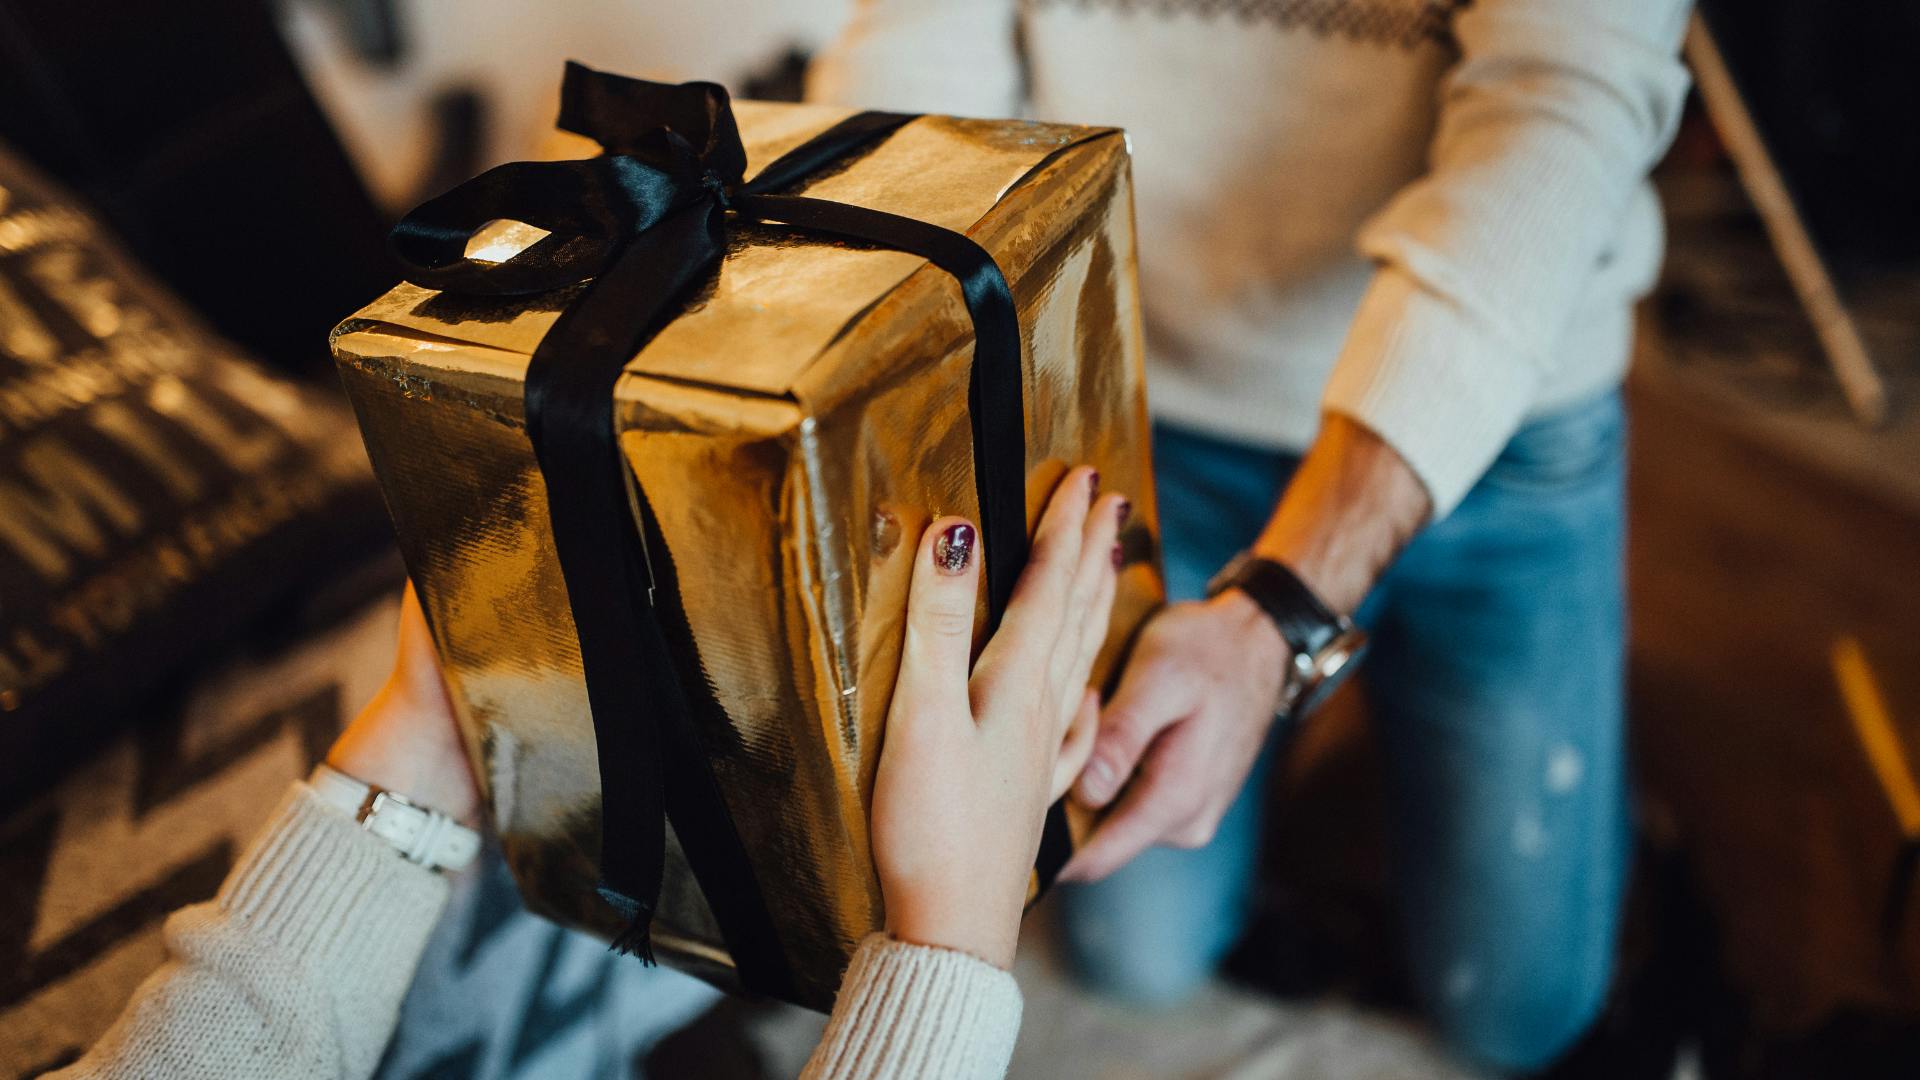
[(154, 822)]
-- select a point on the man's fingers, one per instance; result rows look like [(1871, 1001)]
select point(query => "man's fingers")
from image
[(940, 608), (1076, 745), (1146, 814), (1148, 700)]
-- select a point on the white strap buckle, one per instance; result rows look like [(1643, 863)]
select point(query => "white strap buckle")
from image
[(427, 837)]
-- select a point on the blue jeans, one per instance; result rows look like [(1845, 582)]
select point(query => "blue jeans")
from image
[(1496, 687)]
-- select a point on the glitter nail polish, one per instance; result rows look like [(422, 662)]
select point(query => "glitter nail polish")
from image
[(953, 549)]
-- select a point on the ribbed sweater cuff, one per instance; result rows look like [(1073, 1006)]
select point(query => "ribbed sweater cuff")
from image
[(1439, 388), (912, 1011), (333, 898)]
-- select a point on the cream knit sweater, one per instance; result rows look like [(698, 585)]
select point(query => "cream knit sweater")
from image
[(1429, 215), (297, 968)]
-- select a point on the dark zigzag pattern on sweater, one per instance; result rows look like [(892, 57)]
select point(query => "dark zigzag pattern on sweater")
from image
[(1406, 23)]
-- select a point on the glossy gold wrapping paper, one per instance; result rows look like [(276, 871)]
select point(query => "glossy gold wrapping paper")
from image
[(796, 428)]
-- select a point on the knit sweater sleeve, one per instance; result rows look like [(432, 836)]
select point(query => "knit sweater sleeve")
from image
[(1548, 126), (923, 56), (911, 1012), (296, 969)]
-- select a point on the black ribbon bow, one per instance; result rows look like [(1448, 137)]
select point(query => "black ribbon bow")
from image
[(642, 224)]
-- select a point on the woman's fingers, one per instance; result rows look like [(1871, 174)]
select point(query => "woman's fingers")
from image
[(1090, 600), (1093, 635), (416, 666), (416, 643), (1032, 627), (940, 608), (1076, 745)]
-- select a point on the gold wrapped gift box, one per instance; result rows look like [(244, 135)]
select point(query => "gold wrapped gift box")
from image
[(801, 420)]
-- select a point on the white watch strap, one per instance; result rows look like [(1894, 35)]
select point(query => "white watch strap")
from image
[(424, 836)]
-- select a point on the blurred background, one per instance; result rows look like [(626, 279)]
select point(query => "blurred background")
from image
[(227, 171)]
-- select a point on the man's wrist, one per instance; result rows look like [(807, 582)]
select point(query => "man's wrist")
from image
[(1352, 505), (1339, 585), (1247, 622), (1245, 614)]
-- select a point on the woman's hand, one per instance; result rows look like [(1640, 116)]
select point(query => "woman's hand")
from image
[(407, 740), (970, 764)]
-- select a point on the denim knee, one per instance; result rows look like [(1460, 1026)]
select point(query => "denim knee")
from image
[(1522, 1024), (1155, 932), (1130, 968)]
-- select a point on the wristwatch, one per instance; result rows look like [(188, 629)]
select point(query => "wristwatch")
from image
[(1326, 646), (420, 835)]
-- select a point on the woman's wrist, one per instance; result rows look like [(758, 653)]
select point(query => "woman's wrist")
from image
[(420, 834), (382, 748), (417, 787), (961, 923)]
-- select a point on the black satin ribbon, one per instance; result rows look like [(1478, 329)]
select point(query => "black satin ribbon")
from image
[(642, 225)]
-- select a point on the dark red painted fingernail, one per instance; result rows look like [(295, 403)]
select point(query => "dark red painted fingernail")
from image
[(1123, 511), (953, 549), (1119, 557), (1093, 487)]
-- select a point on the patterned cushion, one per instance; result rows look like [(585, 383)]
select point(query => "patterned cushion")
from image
[(158, 491)]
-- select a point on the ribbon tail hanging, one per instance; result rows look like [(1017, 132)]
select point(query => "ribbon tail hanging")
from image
[(570, 421)]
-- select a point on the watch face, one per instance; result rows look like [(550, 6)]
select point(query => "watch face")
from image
[(1331, 666)]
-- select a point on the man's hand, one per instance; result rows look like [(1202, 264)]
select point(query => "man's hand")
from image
[(1204, 681), (1191, 712)]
